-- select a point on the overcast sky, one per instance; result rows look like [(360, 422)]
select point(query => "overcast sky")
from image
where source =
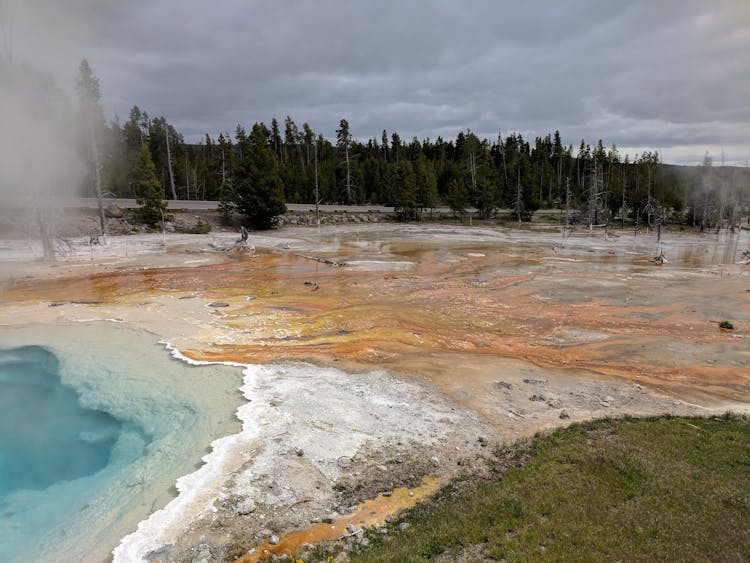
[(644, 75)]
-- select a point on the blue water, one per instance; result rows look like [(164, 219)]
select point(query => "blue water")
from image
[(97, 422), (46, 436)]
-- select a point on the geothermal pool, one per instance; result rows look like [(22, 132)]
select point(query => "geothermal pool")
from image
[(98, 422)]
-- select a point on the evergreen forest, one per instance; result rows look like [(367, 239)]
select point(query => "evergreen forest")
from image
[(594, 184), (256, 170)]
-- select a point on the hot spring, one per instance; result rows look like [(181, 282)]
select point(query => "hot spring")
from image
[(97, 422)]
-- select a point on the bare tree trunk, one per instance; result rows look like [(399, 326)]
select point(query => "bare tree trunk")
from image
[(187, 179), (648, 191), (97, 179), (317, 198), (195, 181), (505, 169), (658, 228), (169, 163), (223, 170), (566, 221), (348, 176), (519, 197), (540, 181), (473, 170), (622, 208), (49, 251)]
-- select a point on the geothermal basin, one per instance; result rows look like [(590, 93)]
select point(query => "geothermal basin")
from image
[(223, 397)]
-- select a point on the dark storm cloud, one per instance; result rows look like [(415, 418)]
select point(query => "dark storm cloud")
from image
[(668, 75)]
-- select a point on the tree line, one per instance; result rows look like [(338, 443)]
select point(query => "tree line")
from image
[(255, 172), (594, 185)]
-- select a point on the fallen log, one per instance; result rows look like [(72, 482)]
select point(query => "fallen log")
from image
[(323, 260)]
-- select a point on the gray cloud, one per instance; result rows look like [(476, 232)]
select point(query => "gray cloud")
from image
[(669, 75)]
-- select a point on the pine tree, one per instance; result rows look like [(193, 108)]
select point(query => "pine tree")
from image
[(405, 191), (259, 193), (457, 197), (427, 195), (148, 188)]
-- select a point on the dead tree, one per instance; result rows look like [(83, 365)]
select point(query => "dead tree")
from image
[(89, 96), (343, 142), (595, 194), (169, 162), (518, 200), (317, 197), (43, 223)]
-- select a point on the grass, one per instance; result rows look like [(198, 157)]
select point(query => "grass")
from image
[(660, 489)]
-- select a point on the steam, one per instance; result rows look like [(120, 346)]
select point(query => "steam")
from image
[(37, 149), (40, 163)]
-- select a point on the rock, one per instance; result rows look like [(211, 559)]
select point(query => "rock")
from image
[(538, 397), (435, 462), (388, 518), (482, 441), (343, 462), (387, 493), (246, 506), (274, 539), (203, 554), (299, 451), (265, 532), (554, 403), (535, 381), (217, 304), (502, 386), (404, 526), (352, 529), (564, 414), (250, 297), (364, 541)]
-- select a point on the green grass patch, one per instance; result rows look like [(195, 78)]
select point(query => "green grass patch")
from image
[(660, 489)]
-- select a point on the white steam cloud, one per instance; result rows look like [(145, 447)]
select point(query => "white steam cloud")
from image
[(40, 157)]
